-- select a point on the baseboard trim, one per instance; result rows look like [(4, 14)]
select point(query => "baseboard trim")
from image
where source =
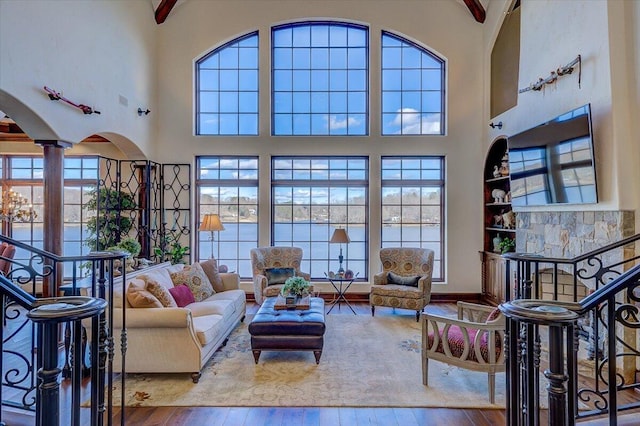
[(435, 297)]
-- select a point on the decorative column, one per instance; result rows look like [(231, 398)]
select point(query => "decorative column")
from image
[(53, 221)]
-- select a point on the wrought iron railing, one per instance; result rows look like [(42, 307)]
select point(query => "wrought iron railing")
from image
[(30, 352), (587, 344)]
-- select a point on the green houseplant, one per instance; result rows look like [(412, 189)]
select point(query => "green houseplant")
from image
[(507, 244), (171, 250), (130, 245), (112, 222), (296, 286)]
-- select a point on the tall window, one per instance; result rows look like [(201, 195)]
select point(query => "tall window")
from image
[(413, 205), (412, 89), (228, 186), (320, 81), (24, 175), (312, 196), (227, 89)]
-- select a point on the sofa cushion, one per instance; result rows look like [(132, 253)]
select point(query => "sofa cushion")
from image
[(210, 268), (195, 278), (278, 275), (402, 280), (182, 295), (211, 306), (139, 297), (208, 328), (238, 297), (161, 293), (395, 290), (160, 276)]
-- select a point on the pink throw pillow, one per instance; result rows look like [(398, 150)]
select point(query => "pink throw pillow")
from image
[(182, 295)]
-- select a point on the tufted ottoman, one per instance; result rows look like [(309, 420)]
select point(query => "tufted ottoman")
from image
[(288, 330)]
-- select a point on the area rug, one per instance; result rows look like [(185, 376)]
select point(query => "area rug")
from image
[(366, 362)]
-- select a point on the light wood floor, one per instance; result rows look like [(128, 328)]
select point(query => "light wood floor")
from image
[(312, 416)]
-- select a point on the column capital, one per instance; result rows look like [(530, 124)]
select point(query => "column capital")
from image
[(52, 142)]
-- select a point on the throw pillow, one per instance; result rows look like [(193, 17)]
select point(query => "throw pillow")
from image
[(182, 295), (139, 297), (278, 275), (195, 278), (399, 279), (161, 293), (210, 268)]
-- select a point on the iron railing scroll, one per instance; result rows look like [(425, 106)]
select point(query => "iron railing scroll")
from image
[(30, 353), (590, 341)]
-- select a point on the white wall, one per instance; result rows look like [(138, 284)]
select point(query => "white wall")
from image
[(447, 27), (553, 33), (95, 52)]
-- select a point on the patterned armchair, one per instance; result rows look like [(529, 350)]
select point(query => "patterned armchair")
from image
[(405, 280), (473, 341), (263, 258)]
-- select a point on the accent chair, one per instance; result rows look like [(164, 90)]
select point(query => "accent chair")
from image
[(264, 260), (405, 280), (472, 341)]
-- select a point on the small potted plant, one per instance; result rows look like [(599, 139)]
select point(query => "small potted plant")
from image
[(507, 244), (131, 246), (293, 288)]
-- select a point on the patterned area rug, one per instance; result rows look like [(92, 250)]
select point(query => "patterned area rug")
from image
[(366, 362)]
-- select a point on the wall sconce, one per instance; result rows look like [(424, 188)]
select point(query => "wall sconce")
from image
[(145, 112), (498, 125)]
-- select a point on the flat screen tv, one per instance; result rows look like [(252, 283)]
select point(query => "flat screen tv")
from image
[(553, 163)]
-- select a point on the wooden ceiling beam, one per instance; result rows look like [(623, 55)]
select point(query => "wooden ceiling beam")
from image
[(476, 9), (163, 10)]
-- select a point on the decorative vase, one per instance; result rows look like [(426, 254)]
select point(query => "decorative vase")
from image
[(496, 244), (129, 264)]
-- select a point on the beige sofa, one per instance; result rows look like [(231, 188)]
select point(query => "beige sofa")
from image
[(174, 339)]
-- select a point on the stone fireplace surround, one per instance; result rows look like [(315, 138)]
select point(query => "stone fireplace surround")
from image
[(568, 234)]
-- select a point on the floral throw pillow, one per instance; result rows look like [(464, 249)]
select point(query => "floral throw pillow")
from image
[(161, 293), (211, 270), (195, 278)]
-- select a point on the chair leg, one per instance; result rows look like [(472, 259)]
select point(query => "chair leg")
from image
[(492, 388), (425, 370), (418, 316), (373, 311)]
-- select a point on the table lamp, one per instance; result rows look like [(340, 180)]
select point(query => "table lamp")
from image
[(211, 223), (340, 236)]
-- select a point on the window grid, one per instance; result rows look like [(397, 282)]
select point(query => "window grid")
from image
[(412, 205), (228, 186), (320, 79), (312, 196), (24, 174), (227, 89), (412, 88)]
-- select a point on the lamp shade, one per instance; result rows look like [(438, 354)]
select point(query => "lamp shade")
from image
[(340, 236), (211, 222)]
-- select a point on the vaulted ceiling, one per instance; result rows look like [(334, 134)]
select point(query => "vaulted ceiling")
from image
[(163, 8)]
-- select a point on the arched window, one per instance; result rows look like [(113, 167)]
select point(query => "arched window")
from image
[(320, 79), (412, 89), (227, 89)]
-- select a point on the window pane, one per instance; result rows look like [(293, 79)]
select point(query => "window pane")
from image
[(412, 76), (412, 205), (221, 74), (234, 197), (328, 59), (308, 206)]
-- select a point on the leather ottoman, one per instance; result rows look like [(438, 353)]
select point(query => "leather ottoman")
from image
[(288, 330)]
